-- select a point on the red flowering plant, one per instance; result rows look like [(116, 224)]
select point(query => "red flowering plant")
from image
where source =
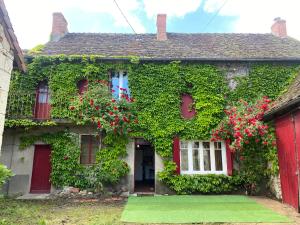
[(243, 124), (97, 105), (251, 139)]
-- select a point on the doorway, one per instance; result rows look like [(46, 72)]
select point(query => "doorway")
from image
[(144, 167), (40, 180)]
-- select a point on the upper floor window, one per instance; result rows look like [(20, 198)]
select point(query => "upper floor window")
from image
[(42, 106), (202, 157), (119, 84), (82, 86), (89, 146)]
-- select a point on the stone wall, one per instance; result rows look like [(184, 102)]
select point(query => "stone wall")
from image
[(21, 161), (6, 65)]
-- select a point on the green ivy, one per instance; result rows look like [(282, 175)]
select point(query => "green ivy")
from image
[(27, 123), (157, 89), (65, 154)]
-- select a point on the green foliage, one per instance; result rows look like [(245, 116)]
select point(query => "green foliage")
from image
[(264, 80), (66, 168), (109, 166), (37, 49), (157, 89), (5, 174), (97, 106), (199, 184), (65, 154), (27, 123)]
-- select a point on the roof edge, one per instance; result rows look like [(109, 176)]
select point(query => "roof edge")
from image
[(289, 106), (128, 58)]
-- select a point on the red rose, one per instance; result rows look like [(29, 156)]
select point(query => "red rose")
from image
[(99, 124), (72, 107), (97, 108), (91, 102)]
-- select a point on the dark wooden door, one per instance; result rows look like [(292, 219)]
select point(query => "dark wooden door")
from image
[(287, 156), (42, 105), (40, 180)]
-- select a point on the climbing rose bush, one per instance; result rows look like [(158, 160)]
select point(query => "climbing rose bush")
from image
[(96, 105), (243, 125)]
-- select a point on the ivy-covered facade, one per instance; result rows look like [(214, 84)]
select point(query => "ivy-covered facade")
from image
[(175, 104)]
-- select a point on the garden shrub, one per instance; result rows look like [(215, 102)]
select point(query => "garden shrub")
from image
[(5, 174)]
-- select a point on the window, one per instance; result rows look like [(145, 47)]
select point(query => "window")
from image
[(89, 146), (82, 86), (43, 93), (119, 84), (202, 157), (42, 105)]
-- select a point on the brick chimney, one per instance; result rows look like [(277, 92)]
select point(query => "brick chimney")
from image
[(161, 27), (59, 26), (279, 27)]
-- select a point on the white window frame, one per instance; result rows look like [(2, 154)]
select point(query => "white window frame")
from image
[(212, 158)]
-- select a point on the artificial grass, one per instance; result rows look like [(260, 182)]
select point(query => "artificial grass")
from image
[(198, 209)]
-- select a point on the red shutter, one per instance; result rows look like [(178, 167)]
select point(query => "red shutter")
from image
[(176, 154), (229, 158), (187, 109)]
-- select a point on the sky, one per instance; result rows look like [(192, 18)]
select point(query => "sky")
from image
[(32, 19)]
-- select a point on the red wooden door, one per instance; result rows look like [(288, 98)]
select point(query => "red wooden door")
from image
[(40, 180), (42, 105), (297, 133), (287, 160)]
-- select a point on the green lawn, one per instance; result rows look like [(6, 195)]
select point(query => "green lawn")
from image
[(197, 209)]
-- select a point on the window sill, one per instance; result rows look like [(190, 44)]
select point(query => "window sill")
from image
[(203, 172)]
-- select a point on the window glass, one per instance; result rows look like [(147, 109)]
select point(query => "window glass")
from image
[(119, 82), (125, 84), (196, 160), (206, 156), (89, 147), (115, 85), (218, 156), (184, 160), (183, 144), (43, 93)]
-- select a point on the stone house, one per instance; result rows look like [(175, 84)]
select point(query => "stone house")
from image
[(234, 54), (11, 56)]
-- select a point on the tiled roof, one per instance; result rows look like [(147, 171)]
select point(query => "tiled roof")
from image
[(290, 99), (201, 46)]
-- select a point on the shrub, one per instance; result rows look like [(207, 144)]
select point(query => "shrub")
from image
[(4, 174)]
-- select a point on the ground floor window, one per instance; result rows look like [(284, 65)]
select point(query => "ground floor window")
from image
[(89, 146), (202, 157)]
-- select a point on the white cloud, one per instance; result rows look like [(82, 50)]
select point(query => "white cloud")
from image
[(32, 19), (257, 15), (172, 8)]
